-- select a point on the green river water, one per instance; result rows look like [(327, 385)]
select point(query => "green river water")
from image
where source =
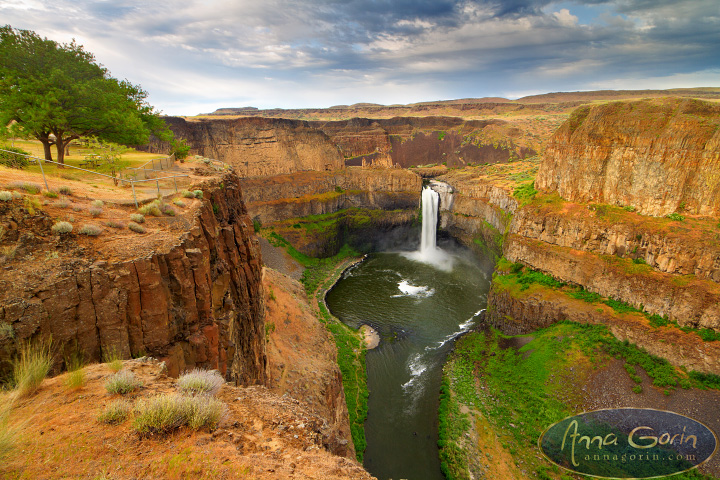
[(418, 310)]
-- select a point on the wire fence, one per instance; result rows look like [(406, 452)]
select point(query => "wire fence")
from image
[(156, 164), (119, 178)]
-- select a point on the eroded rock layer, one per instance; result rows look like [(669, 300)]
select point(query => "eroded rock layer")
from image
[(196, 303), (658, 156)]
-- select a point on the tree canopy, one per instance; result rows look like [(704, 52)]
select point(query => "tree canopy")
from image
[(59, 90)]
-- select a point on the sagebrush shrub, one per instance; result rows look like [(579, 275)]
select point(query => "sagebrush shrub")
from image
[(90, 230), (199, 381), (136, 227), (137, 217), (95, 211), (5, 196), (123, 382), (116, 412), (97, 203), (179, 203), (62, 227), (198, 193), (187, 194), (165, 413), (65, 190)]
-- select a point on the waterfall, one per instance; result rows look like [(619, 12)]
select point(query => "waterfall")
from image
[(429, 252), (429, 221)]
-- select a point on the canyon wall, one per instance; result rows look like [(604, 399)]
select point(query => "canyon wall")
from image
[(197, 303), (281, 197), (409, 141), (659, 156), (257, 146)]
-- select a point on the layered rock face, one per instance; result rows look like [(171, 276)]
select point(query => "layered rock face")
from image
[(197, 303), (522, 314), (281, 197), (408, 141), (659, 156), (258, 146)]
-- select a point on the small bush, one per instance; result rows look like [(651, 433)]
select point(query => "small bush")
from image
[(95, 211), (675, 217), (168, 210), (198, 193), (31, 204), (179, 203), (136, 227), (17, 195), (29, 187), (65, 190), (199, 381), (137, 217), (77, 208), (62, 204), (90, 230), (5, 196), (188, 194), (97, 203), (6, 331), (123, 382), (165, 413), (637, 389), (116, 412), (32, 366), (114, 224), (150, 209), (62, 228), (52, 255), (11, 159), (50, 194)]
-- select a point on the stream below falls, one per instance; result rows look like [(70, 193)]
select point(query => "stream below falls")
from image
[(418, 309)]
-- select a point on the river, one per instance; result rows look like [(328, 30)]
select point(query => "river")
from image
[(418, 309)]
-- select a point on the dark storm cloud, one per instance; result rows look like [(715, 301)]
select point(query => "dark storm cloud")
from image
[(323, 52)]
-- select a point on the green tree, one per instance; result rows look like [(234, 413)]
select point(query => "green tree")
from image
[(58, 93)]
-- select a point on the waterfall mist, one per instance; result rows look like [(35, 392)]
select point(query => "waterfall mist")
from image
[(429, 252)]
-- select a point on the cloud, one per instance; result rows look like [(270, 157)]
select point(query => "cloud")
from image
[(297, 53)]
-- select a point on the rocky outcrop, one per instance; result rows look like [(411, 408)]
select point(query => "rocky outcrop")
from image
[(540, 307), (257, 146), (197, 303), (658, 156), (668, 250), (282, 197), (690, 302)]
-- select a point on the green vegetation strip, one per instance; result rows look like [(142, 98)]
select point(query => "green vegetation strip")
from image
[(483, 376), (319, 275), (515, 274)]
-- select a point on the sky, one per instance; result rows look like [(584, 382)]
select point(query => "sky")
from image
[(193, 56)]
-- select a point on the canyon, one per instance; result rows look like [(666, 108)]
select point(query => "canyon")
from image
[(616, 202)]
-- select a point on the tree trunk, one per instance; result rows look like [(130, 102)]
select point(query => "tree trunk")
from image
[(61, 143), (45, 140)]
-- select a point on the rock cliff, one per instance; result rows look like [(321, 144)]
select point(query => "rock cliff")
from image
[(659, 156), (281, 197), (196, 301), (257, 146)]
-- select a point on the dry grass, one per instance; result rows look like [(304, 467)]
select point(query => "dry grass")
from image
[(113, 359), (32, 366), (8, 434)]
